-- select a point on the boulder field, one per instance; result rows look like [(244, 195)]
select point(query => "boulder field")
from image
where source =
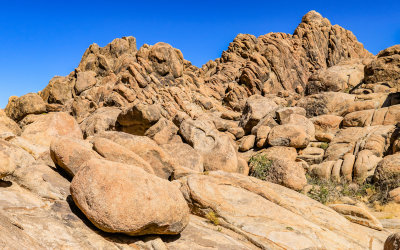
[(287, 141)]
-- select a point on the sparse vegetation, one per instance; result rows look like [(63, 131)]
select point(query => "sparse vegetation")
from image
[(290, 228), (259, 166), (213, 218), (324, 145), (326, 191), (384, 187)]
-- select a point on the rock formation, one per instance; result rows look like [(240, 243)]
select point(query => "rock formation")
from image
[(140, 149)]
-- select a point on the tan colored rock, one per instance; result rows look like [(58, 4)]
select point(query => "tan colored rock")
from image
[(392, 242), (357, 215), (336, 78), (114, 152), (323, 170), (302, 121), (121, 198), (14, 237), (103, 119), (335, 175), (312, 155), (19, 107), (164, 131), (7, 165), (59, 90), (136, 119), (162, 164), (247, 143), (388, 169), (184, 156), (70, 153), (49, 126), (166, 60), (237, 132), (256, 108), (280, 152), (359, 118), (326, 126), (262, 136), (216, 149), (392, 116), (333, 103), (345, 142), (394, 195), (268, 121), (201, 233), (347, 166), (385, 67), (365, 164), (231, 115), (288, 135), (84, 81), (7, 125), (33, 149), (43, 181), (272, 216), (287, 173), (283, 114), (19, 156)]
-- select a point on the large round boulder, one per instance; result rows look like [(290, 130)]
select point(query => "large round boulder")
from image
[(119, 198)]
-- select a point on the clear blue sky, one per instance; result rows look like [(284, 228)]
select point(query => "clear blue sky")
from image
[(40, 39)]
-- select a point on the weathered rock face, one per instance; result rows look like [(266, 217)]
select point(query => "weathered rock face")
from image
[(388, 169), (7, 125), (272, 216), (139, 204), (184, 156), (326, 126), (385, 68), (7, 165), (71, 153), (287, 173), (288, 135), (18, 108), (217, 150), (336, 78), (138, 118), (103, 119), (255, 110), (49, 126), (147, 149), (115, 152)]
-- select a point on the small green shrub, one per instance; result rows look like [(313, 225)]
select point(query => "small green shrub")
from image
[(324, 145), (259, 166), (213, 218)]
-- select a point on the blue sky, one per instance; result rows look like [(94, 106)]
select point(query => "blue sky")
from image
[(40, 39)]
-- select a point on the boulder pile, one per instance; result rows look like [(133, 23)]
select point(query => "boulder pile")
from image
[(140, 149)]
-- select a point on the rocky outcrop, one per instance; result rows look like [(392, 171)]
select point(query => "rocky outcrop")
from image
[(139, 149), (19, 107), (385, 68), (272, 216)]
